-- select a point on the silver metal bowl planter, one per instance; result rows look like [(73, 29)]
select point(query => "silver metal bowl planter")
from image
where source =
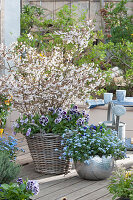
[(96, 168)]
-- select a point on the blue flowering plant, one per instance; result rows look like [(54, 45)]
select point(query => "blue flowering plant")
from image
[(56, 121), (89, 141), (9, 144), (23, 189)]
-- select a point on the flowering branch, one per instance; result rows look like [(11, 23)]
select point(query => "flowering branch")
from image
[(38, 81)]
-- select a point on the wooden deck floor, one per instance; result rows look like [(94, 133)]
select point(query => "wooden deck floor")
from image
[(70, 186)]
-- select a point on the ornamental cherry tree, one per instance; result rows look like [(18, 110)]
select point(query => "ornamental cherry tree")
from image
[(38, 81)]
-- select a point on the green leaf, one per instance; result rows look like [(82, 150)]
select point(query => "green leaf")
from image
[(5, 186)]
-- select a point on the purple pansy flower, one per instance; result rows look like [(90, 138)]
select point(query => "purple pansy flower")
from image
[(78, 113), (63, 112), (43, 120), (69, 118), (87, 118), (74, 111), (31, 116), (75, 107), (22, 121), (64, 116), (28, 132), (26, 120), (80, 122), (59, 110), (33, 121), (83, 112), (52, 110), (57, 120), (16, 125), (33, 186), (20, 181)]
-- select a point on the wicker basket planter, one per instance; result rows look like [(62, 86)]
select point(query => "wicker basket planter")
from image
[(45, 157)]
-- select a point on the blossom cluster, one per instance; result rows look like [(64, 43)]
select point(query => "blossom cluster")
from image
[(56, 121), (31, 185), (79, 36), (89, 141), (10, 145), (40, 81)]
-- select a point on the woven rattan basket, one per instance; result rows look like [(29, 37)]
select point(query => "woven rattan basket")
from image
[(45, 157)]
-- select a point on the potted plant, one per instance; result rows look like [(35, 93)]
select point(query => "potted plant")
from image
[(44, 135), (93, 149), (121, 185), (20, 190)]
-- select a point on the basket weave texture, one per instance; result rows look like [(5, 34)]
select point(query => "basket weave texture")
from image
[(45, 157)]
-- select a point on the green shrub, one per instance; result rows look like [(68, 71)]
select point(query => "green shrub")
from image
[(121, 55), (29, 17), (118, 23), (42, 30), (8, 169)]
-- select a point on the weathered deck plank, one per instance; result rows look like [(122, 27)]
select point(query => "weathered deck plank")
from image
[(85, 187), (105, 197), (95, 195), (64, 188)]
